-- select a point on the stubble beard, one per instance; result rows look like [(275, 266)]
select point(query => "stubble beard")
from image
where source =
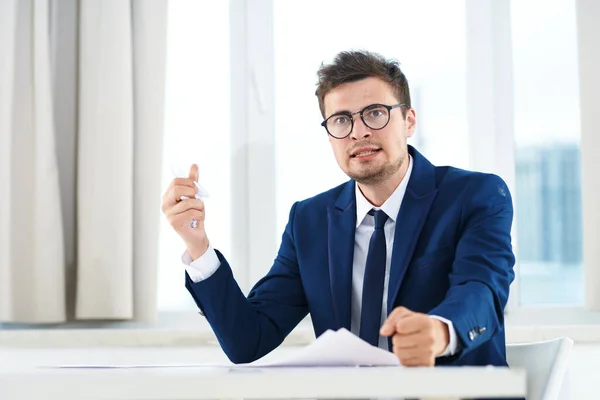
[(375, 175)]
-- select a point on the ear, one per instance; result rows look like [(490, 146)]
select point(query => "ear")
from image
[(411, 122)]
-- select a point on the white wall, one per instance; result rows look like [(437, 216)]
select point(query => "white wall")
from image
[(585, 382)]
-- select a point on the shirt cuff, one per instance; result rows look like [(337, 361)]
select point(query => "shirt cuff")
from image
[(452, 347), (203, 267)]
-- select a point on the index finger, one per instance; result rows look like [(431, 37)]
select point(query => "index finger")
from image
[(412, 324), (167, 198), (182, 182)]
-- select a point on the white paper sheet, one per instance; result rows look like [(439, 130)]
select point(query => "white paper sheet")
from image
[(332, 349)]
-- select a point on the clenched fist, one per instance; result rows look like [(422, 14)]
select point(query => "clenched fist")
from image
[(186, 215), (417, 339)]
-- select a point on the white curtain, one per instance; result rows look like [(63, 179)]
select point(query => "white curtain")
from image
[(81, 121)]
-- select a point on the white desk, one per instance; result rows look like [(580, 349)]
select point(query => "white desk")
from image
[(199, 383)]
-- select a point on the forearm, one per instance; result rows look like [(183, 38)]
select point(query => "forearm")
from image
[(474, 311), (247, 328)]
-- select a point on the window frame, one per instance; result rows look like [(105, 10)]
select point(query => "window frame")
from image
[(588, 37), (253, 136)]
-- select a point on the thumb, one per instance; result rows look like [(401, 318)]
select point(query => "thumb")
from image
[(389, 326), (194, 173)]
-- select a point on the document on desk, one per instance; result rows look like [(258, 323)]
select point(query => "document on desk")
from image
[(338, 348)]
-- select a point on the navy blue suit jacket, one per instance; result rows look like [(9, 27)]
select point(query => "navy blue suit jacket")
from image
[(452, 257)]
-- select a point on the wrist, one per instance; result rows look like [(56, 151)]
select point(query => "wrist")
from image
[(198, 249), (442, 335)]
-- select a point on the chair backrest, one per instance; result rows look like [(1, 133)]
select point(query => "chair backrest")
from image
[(545, 363)]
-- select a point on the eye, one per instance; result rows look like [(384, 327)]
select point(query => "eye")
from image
[(376, 113), (341, 120)]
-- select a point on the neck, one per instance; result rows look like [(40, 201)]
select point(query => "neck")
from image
[(378, 193)]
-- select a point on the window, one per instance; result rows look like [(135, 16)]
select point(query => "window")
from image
[(548, 167), (408, 31), (197, 124), (435, 53)]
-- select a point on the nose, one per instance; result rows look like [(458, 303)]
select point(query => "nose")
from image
[(360, 130)]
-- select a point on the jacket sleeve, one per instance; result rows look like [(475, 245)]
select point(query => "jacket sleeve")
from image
[(249, 328), (483, 266)]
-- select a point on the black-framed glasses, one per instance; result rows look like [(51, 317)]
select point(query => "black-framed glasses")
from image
[(374, 116)]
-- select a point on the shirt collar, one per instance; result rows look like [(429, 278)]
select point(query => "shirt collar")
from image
[(391, 206)]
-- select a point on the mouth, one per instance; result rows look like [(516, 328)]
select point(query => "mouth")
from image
[(364, 153)]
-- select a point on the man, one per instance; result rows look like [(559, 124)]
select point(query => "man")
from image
[(411, 257)]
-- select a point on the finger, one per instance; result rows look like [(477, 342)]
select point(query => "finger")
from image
[(184, 182), (412, 324), (181, 182), (173, 195), (406, 354), (418, 362), (183, 191), (185, 205), (407, 341), (167, 197), (194, 172), (389, 326)]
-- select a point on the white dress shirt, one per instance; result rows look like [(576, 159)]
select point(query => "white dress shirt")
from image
[(208, 263)]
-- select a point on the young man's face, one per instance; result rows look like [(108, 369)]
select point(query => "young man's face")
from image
[(370, 156)]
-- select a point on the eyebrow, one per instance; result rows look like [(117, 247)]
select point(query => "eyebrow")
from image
[(351, 112), (341, 112)]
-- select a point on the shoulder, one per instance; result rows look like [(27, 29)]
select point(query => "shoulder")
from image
[(473, 185)]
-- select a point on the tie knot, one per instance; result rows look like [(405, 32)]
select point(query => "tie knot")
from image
[(380, 218)]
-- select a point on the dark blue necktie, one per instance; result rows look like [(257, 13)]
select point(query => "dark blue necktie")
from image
[(372, 294)]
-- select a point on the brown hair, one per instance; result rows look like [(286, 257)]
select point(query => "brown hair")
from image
[(351, 66)]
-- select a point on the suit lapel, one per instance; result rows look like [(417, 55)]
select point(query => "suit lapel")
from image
[(419, 196), (342, 226)]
